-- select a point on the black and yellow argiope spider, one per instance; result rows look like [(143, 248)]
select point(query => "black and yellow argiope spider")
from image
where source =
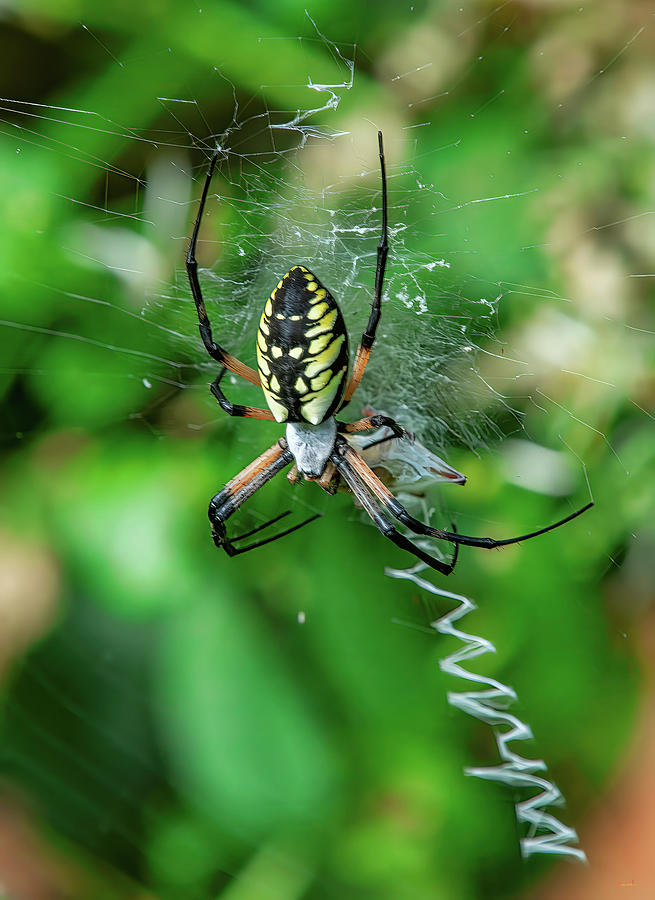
[(302, 357)]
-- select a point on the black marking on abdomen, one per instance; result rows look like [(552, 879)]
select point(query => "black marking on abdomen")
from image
[(302, 350)]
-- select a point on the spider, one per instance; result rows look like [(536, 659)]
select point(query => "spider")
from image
[(302, 368)]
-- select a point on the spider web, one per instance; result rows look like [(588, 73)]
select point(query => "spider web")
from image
[(292, 186), (299, 183)]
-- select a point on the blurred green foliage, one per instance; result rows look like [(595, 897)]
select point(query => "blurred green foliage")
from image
[(169, 728)]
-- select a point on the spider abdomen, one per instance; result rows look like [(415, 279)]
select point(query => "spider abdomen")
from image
[(302, 350)]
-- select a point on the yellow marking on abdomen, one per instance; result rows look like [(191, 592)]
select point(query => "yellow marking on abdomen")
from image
[(315, 408), (296, 352), (280, 412), (321, 380), (325, 324), (326, 358), (319, 343), (317, 311)]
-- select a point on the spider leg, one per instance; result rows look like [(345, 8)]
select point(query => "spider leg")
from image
[(377, 441), (214, 349), (329, 480), (234, 409), (370, 422), (235, 551), (375, 421), (293, 474), (241, 488), (397, 510), (360, 492), (272, 521), (364, 348)]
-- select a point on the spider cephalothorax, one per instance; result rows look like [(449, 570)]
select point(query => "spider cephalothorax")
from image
[(302, 359)]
